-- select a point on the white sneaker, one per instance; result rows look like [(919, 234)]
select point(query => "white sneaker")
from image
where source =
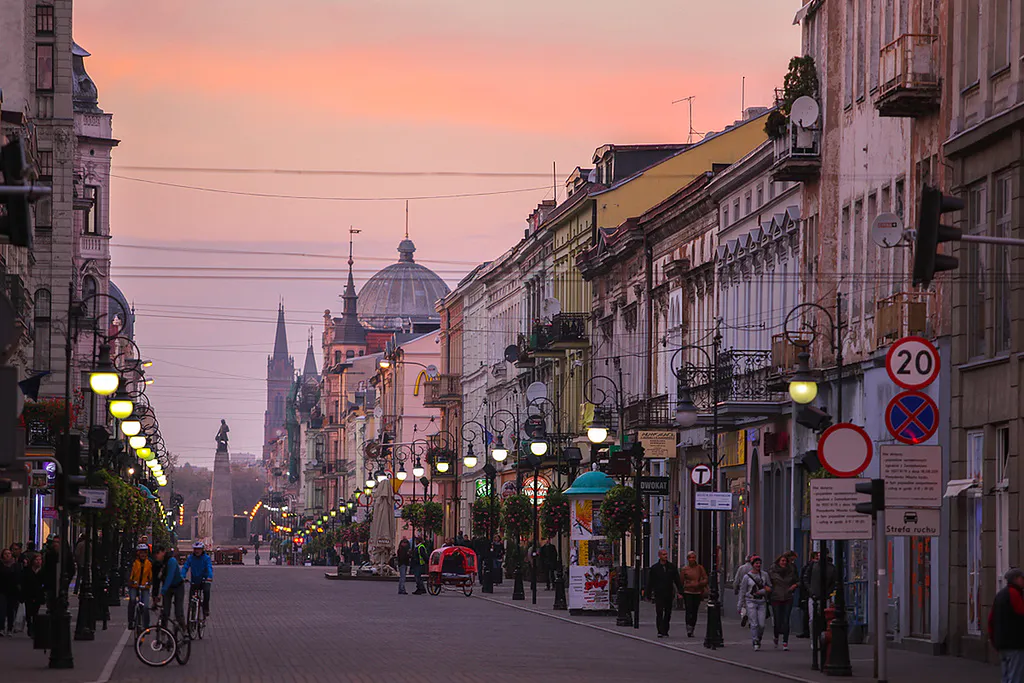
[(757, 646)]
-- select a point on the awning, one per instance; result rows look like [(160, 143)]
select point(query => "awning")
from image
[(801, 13), (955, 487)]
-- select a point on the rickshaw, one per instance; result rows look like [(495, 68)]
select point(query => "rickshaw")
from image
[(451, 568)]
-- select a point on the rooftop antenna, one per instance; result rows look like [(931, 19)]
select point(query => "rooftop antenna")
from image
[(406, 219), (743, 97), (690, 99)]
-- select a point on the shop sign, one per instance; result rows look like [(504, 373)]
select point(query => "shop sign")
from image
[(540, 485), (483, 489), (508, 489), (732, 448), (658, 443)]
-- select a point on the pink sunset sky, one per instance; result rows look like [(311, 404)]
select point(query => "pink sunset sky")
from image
[(386, 85)]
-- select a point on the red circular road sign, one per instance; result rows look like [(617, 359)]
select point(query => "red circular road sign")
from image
[(912, 417), (845, 449), (912, 362)]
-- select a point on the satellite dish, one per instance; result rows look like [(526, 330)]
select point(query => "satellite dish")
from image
[(804, 112), (536, 391), (432, 372), (511, 353), (887, 230), (551, 307)]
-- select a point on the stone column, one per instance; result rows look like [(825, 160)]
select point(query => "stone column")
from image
[(220, 497)]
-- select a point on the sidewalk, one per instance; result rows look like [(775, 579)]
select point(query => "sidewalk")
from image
[(93, 659), (794, 665)]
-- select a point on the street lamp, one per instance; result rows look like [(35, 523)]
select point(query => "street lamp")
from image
[(417, 469), (401, 474), (802, 388), (470, 458), (131, 471), (103, 379), (539, 447), (597, 432), (384, 364), (499, 452), (145, 453), (442, 465), (138, 441), (370, 483), (382, 475), (686, 412), (120, 405), (131, 426)]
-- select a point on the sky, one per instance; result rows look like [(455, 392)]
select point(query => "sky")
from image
[(398, 91)]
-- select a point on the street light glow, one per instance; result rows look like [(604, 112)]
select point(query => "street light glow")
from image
[(131, 426), (417, 470), (442, 466), (802, 388), (138, 441), (120, 405), (596, 433), (539, 448), (401, 475), (384, 363)]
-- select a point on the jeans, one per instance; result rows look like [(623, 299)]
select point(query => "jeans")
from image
[(1012, 664), (403, 570), (8, 610), (663, 612), (780, 617), (206, 588), (136, 595), (177, 596), (417, 571), (757, 612), (692, 602)]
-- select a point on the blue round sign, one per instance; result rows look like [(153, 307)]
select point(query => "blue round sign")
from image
[(912, 417)]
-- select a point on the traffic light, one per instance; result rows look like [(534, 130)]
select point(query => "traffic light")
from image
[(930, 233), (72, 479), (876, 489), (815, 419), (16, 223), (12, 438)]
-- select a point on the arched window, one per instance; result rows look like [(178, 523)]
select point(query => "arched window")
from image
[(41, 321), (350, 354), (89, 295)]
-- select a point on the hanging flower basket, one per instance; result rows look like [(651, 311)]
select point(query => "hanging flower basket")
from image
[(480, 511), (554, 513), (413, 514), (517, 515), (618, 511), (433, 517)]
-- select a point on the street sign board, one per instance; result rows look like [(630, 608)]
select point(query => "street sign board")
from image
[(845, 449), (912, 417), (658, 443), (912, 362), (834, 516), (94, 498), (654, 486), (913, 476), (700, 475), (908, 522), (708, 500)]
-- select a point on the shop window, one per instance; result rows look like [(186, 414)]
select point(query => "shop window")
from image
[(41, 348), (977, 272), (973, 533)]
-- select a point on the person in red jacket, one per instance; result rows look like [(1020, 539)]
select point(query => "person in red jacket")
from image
[(1006, 627)]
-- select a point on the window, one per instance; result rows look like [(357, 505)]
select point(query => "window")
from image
[(844, 257), (337, 357), (973, 531), (876, 46), (41, 320), (857, 241), (848, 57), (725, 216), (873, 251), (43, 209), (736, 210), (977, 272), (888, 20), (45, 163), (971, 42), (1002, 499), (771, 191), (44, 20), (89, 295), (898, 256), (44, 67), (350, 354), (91, 214), (1001, 30), (760, 195), (1001, 261), (861, 61), (747, 201)]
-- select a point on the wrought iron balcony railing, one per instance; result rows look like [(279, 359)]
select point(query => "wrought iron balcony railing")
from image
[(743, 375), (649, 412)]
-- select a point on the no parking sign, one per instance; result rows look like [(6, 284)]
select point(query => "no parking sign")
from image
[(912, 417)]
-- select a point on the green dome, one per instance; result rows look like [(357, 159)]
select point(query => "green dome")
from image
[(591, 484)]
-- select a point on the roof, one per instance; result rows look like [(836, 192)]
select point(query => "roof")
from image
[(128, 326), (401, 294)]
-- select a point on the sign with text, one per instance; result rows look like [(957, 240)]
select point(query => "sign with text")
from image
[(912, 362), (94, 498), (834, 516), (708, 500), (658, 443), (654, 486), (913, 476), (906, 522), (589, 588)]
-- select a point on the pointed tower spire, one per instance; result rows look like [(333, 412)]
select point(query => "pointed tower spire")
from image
[(281, 338), (309, 367), (350, 296)]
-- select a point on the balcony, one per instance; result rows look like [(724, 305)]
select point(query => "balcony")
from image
[(94, 247), (797, 155), (651, 412), (910, 83), (784, 352), (746, 384), (901, 315), (438, 393), (569, 331), (499, 370), (526, 359)]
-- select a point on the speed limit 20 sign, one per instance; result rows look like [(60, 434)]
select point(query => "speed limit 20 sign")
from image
[(912, 362)]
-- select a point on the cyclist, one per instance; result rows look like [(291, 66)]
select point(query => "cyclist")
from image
[(139, 579), (172, 588), (201, 566)]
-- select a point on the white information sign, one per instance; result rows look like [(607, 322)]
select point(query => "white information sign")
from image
[(94, 498), (700, 475), (907, 522), (706, 500), (913, 476), (833, 510)]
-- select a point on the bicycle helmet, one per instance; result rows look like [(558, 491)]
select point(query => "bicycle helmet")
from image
[(142, 546), (198, 545)]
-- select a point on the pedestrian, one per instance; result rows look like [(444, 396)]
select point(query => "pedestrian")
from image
[(1006, 627), (549, 562), (498, 555), (784, 581), (695, 588), (140, 578), (737, 583), (33, 590), (403, 557), (806, 597), (10, 591), (662, 583), (419, 565), (460, 538), (29, 554), (755, 590), (80, 559)]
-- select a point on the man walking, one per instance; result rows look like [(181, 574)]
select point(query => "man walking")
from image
[(806, 597), (419, 563), (549, 562), (1006, 627), (662, 584), (402, 559)]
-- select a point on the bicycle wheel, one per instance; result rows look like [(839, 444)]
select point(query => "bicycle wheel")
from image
[(156, 646), (200, 625), (434, 585), (192, 619), (184, 648), (140, 619)]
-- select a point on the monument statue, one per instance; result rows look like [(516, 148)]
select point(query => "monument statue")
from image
[(222, 437)]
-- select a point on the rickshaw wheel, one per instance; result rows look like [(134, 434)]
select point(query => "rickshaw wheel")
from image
[(434, 585), (467, 589)]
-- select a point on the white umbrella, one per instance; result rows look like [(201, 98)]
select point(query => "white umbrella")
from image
[(382, 527)]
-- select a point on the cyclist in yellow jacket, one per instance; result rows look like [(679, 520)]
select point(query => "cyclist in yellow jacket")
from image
[(140, 577)]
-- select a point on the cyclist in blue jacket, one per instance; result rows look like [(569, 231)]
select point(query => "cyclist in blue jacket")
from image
[(172, 588), (201, 566)]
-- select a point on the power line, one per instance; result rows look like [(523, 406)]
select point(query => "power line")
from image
[(250, 252), (333, 172)]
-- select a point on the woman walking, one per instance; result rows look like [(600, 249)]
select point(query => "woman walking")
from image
[(404, 555), (755, 590), (10, 591), (695, 585), (33, 590), (784, 581)]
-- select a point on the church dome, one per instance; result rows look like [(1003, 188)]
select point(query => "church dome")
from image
[(402, 293)]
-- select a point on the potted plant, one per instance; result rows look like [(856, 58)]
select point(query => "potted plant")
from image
[(801, 80), (554, 513), (618, 511)]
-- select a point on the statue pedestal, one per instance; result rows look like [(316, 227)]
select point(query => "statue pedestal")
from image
[(221, 498)]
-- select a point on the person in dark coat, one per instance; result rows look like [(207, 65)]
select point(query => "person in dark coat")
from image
[(662, 585), (1006, 627), (403, 558), (10, 591), (549, 562), (806, 597), (33, 590)]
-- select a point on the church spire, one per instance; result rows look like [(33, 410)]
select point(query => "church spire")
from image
[(309, 367), (350, 297), (281, 338)]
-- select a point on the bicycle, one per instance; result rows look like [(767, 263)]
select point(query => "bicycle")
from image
[(158, 645), (140, 618), (194, 623)]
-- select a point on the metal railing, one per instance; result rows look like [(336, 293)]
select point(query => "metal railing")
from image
[(901, 315), (743, 375), (909, 63), (648, 412), (799, 144), (569, 327)]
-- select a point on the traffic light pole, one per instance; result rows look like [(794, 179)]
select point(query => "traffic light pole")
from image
[(881, 674)]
